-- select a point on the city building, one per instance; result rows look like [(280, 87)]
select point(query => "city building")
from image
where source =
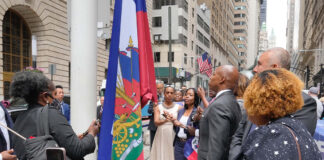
[(189, 40), (263, 12), (37, 33), (263, 39), (222, 32), (253, 31), (241, 29), (311, 47), (272, 39), (290, 26)]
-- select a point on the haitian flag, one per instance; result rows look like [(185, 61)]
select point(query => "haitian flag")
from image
[(130, 83), (190, 148)]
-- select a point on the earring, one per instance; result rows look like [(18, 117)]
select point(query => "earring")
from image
[(47, 102)]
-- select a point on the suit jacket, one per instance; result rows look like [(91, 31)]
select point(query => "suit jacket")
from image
[(217, 126), (62, 132), (151, 126), (3, 142), (66, 111), (307, 115), (180, 114), (98, 112)]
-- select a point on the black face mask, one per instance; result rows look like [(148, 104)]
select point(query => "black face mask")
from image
[(55, 104)]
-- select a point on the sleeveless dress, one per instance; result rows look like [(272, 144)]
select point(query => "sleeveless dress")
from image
[(162, 148)]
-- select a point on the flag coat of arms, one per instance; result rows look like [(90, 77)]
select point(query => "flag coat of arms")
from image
[(130, 83)]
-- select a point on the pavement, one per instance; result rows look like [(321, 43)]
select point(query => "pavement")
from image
[(146, 139)]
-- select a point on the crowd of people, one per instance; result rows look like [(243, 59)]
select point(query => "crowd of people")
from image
[(267, 117)]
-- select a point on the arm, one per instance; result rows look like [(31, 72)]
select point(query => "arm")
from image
[(201, 94), (7, 155), (65, 137), (157, 120), (236, 145), (219, 130)]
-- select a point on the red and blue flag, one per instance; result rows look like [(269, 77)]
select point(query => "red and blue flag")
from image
[(130, 83)]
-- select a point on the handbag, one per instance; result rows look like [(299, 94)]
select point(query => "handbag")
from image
[(297, 144), (36, 147)]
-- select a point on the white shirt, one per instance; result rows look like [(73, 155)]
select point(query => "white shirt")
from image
[(221, 92), (183, 120), (4, 130)]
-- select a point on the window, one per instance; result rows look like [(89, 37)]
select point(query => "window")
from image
[(107, 44), (16, 47), (157, 57), (157, 21), (239, 15), (239, 31), (192, 60), (192, 45), (200, 21), (206, 42), (157, 4), (192, 29), (185, 58), (241, 46), (183, 4), (240, 8), (239, 23), (172, 57), (193, 12), (183, 22), (200, 37), (157, 37)]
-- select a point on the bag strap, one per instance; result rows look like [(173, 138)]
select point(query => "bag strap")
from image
[(42, 125), (297, 144)]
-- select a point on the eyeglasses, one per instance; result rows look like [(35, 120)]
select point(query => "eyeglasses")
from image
[(48, 94)]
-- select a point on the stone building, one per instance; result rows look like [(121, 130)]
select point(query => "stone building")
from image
[(36, 33)]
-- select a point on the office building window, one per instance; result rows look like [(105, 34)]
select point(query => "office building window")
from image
[(157, 56), (193, 12), (239, 15), (192, 29), (185, 58), (157, 21), (192, 61), (192, 45), (183, 22), (157, 4)]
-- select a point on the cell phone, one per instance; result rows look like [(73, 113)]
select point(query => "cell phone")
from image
[(55, 154)]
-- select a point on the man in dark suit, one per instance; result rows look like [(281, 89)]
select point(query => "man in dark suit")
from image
[(273, 58), (100, 108), (222, 116), (64, 108)]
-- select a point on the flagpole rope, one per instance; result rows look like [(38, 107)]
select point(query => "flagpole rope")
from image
[(12, 131)]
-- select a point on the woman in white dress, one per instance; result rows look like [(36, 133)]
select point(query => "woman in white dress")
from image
[(162, 148)]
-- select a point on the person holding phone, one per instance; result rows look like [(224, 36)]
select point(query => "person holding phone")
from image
[(163, 141), (37, 90), (183, 121)]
